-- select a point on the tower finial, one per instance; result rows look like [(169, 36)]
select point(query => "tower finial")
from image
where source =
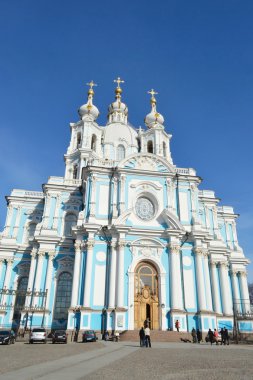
[(91, 84), (152, 92), (90, 93), (118, 90)]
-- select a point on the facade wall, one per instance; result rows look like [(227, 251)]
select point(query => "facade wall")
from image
[(90, 225)]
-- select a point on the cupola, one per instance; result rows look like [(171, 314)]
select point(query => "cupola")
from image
[(154, 118), (88, 111), (117, 111)]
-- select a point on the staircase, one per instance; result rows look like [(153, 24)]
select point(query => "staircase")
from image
[(156, 336)]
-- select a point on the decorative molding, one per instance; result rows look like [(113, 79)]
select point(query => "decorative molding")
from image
[(174, 248)]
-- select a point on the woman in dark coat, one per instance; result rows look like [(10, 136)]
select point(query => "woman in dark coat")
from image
[(142, 337)]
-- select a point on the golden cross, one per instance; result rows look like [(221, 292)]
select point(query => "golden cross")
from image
[(118, 80), (152, 92), (91, 84)]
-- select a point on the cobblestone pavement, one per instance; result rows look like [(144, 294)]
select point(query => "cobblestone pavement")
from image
[(125, 360), (19, 355), (182, 362)]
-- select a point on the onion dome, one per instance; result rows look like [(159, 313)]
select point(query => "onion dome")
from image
[(88, 111), (154, 118), (118, 110)]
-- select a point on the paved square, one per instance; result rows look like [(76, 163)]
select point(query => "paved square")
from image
[(126, 360)]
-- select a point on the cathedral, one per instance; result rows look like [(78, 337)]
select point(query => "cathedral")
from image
[(123, 237)]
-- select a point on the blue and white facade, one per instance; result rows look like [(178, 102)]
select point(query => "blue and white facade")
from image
[(124, 236)]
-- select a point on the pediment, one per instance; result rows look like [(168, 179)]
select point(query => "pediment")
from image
[(167, 219), (146, 161)]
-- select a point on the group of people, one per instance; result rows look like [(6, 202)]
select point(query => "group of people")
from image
[(196, 335), (144, 334), (213, 336)]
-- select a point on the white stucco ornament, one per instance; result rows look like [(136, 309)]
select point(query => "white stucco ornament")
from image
[(144, 208)]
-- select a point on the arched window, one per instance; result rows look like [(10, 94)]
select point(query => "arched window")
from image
[(120, 152), (146, 276), (150, 146), (70, 221), (164, 149), (20, 297), (63, 296), (78, 139), (75, 172), (93, 142), (139, 145)]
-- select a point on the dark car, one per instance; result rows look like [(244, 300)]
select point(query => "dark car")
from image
[(59, 336), (89, 336), (7, 337)]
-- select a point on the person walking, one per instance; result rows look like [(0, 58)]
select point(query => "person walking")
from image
[(142, 337), (210, 336), (199, 335), (226, 336), (222, 336), (215, 337), (147, 337), (177, 325), (194, 335)]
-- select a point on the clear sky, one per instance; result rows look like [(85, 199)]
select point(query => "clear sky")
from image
[(197, 54)]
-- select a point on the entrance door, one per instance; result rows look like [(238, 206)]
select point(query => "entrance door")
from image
[(146, 298)]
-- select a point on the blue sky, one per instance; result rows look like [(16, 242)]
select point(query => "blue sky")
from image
[(197, 54)]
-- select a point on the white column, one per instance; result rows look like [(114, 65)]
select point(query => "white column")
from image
[(131, 300), (169, 193), (1, 267), (112, 289), (88, 271), (8, 221), (37, 285), (41, 256), (209, 304), (31, 276), (200, 279), (207, 218), (51, 256), (193, 202), (163, 321), (45, 218), (17, 222), (236, 293), (120, 278), (175, 277), (7, 278), (114, 200), (76, 275), (244, 292), (230, 244), (93, 195), (56, 212), (215, 288), (234, 232), (122, 193), (225, 291)]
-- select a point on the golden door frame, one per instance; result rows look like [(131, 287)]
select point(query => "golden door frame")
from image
[(146, 297)]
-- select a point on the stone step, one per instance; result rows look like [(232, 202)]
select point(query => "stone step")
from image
[(156, 336)]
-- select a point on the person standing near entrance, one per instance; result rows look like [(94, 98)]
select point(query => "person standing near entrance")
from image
[(177, 325), (142, 337), (147, 337)]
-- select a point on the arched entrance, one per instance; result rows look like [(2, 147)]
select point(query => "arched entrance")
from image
[(146, 297)]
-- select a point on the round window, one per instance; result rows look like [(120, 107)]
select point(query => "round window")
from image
[(144, 208)]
